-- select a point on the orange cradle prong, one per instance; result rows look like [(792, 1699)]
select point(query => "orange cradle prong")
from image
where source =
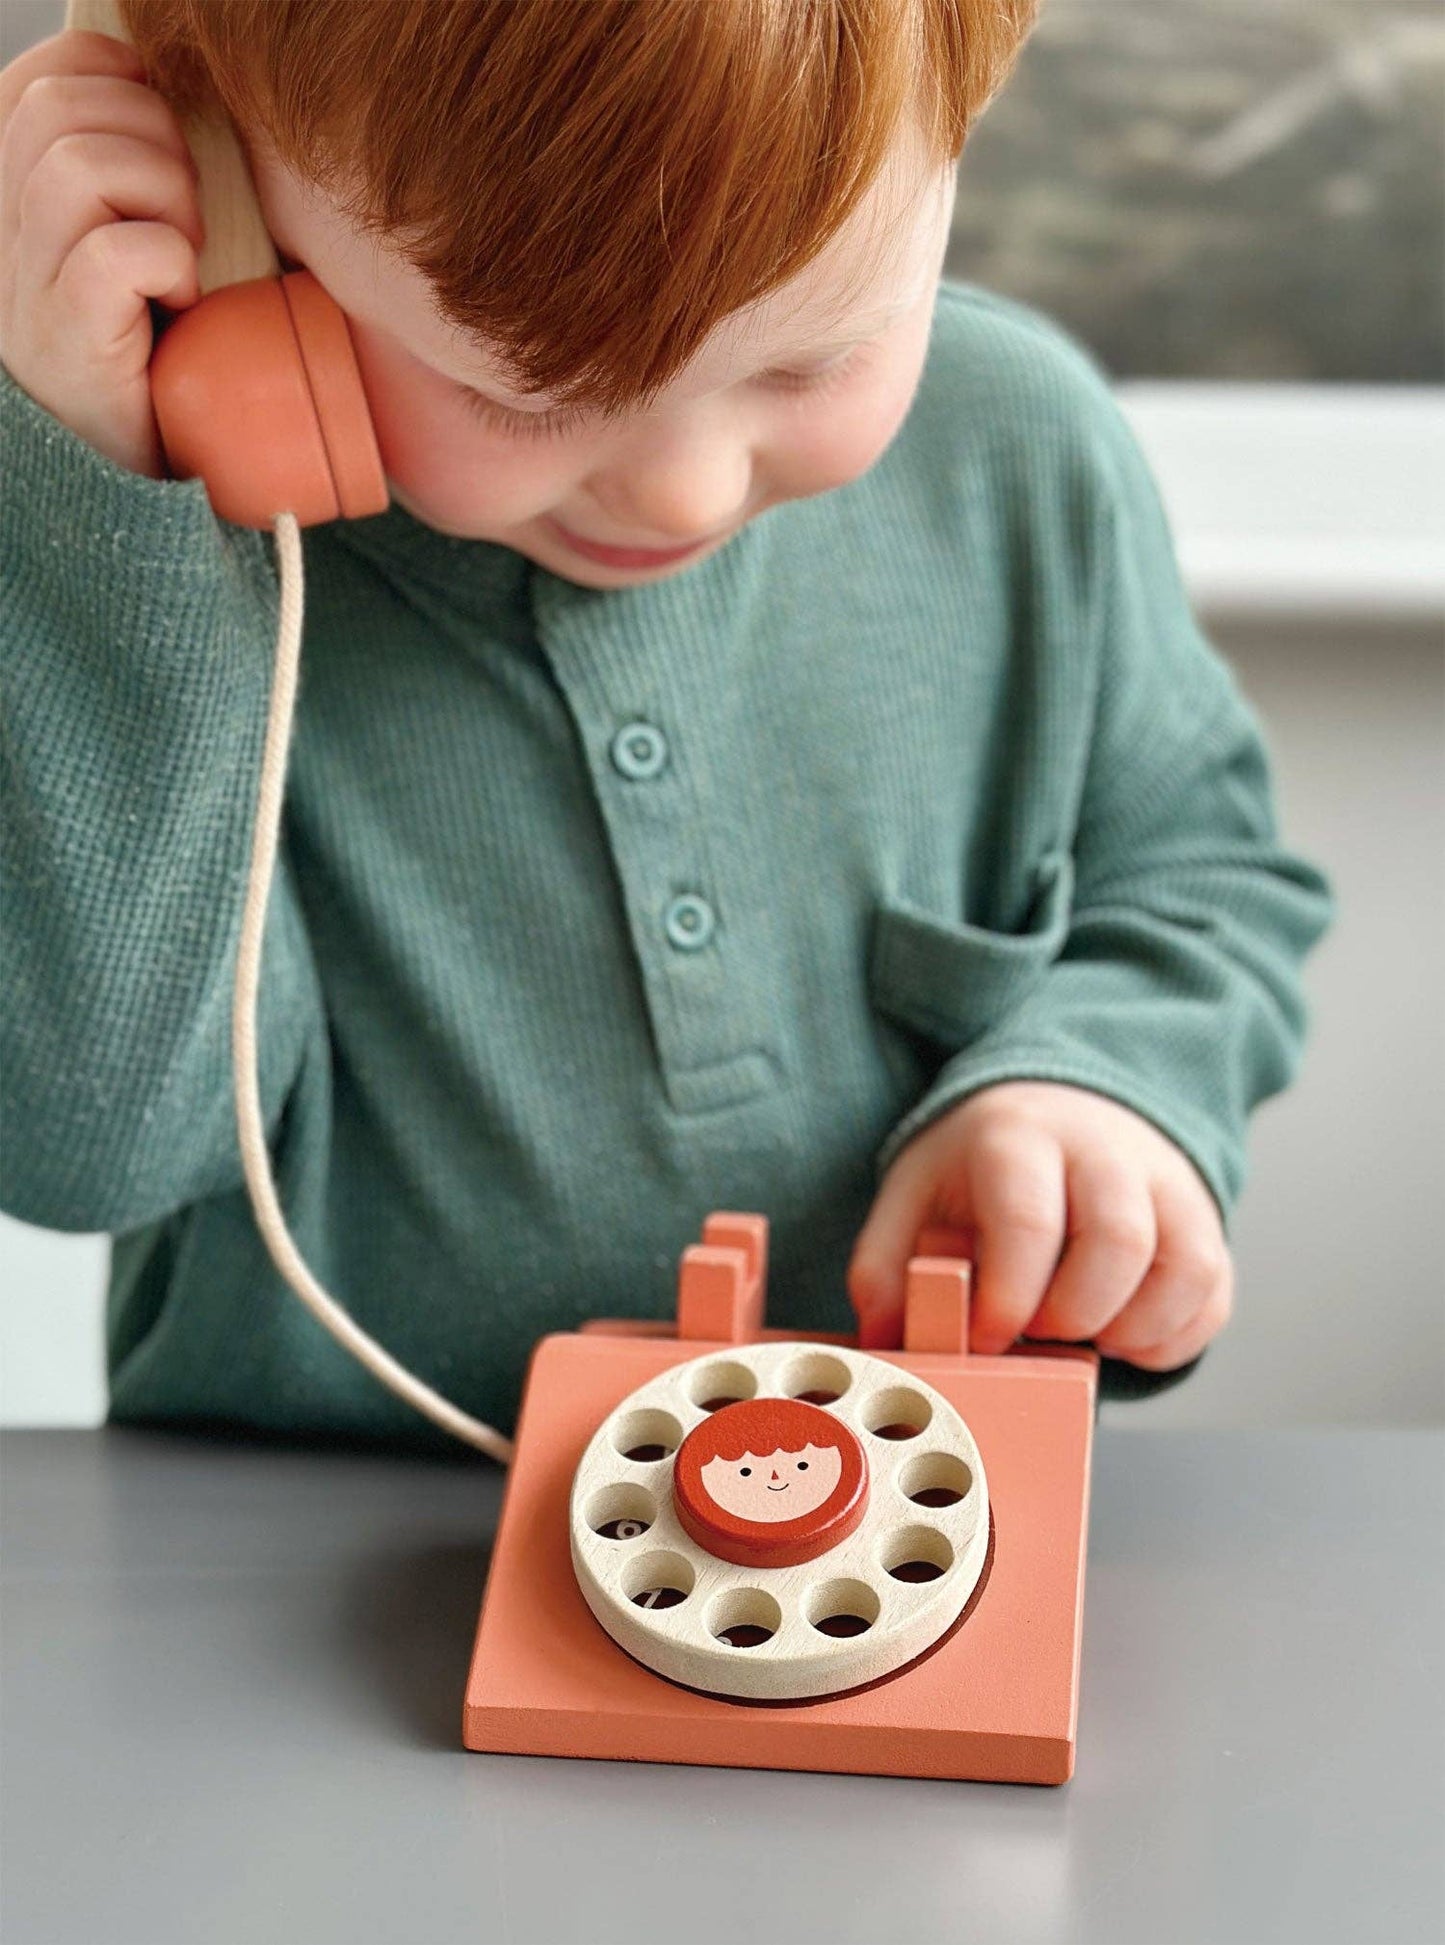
[(726, 1229), (935, 1305), (716, 1298), (722, 1281)]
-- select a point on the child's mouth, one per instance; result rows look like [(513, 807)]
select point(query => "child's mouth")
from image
[(622, 556)]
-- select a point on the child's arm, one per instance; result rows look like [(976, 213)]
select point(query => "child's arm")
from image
[(1097, 1189), (136, 639)]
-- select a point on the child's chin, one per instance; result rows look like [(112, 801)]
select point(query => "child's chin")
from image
[(587, 574)]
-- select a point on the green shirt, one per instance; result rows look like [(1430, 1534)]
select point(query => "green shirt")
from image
[(600, 910)]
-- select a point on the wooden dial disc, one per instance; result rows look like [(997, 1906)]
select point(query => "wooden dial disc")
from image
[(892, 1573)]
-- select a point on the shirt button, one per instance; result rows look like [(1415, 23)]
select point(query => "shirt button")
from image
[(639, 751), (689, 922)]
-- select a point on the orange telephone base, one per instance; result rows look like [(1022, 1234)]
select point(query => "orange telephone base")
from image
[(996, 1700)]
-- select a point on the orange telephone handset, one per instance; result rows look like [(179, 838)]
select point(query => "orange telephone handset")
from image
[(256, 387), (257, 392)]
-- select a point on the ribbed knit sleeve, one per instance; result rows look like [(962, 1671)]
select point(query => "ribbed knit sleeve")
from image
[(137, 641), (1175, 924)]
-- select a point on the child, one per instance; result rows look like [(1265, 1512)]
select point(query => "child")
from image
[(762, 759)]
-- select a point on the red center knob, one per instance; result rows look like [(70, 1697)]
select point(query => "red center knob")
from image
[(770, 1482)]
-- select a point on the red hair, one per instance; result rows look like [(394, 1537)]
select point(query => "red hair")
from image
[(590, 186), (756, 1424)]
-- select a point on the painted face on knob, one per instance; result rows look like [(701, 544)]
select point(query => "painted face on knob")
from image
[(770, 1482), (775, 1485)]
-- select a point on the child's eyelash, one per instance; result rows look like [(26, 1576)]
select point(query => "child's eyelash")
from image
[(551, 425), (822, 380), (524, 425)]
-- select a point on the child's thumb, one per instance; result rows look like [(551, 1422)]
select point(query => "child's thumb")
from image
[(877, 1269)]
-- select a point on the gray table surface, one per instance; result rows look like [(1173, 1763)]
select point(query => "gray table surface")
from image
[(232, 1680)]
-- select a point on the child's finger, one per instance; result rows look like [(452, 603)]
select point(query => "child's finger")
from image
[(1191, 1268), (120, 265), (1016, 1179), (1205, 1326), (1112, 1239), (84, 181), (77, 51), (59, 106), (878, 1266)]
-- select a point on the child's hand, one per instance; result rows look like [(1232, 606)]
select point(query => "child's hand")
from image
[(99, 211), (1087, 1225)]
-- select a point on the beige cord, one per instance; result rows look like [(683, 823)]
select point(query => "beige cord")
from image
[(254, 1157), (238, 247)]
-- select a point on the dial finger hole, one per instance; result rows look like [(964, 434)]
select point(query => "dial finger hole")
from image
[(743, 1617), (816, 1378), (621, 1512), (935, 1479), (916, 1554), (897, 1413), (647, 1436), (657, 1580), (723, 1383), (842, 1608)]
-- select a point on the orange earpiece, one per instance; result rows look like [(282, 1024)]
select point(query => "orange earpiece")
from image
[(257, 392)]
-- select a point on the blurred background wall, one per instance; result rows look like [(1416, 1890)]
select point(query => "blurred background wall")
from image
[(1237, 205), (1222, 188)]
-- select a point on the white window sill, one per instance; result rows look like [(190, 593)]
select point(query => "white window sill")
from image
[(1301, 499)]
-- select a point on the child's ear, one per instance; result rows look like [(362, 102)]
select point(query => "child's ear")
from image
[(236, 246)]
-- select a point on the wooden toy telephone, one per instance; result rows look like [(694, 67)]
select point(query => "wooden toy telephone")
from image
[(726, 1544), (720, 1543)]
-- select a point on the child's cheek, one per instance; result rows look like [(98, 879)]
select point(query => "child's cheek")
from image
[(454, 469), (827, 448)]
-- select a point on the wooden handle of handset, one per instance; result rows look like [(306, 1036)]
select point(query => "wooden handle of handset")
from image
[(236, 245)]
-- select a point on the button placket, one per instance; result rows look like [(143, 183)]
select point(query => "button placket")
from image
[(654, 800)]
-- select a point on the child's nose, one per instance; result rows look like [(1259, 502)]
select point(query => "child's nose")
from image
[(681, 486)]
